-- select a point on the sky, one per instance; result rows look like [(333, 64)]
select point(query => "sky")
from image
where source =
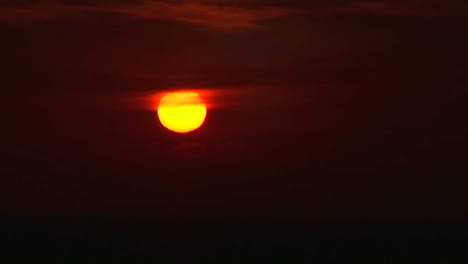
[(316, 109)]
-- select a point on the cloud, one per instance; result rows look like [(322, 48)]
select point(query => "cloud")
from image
[(380, 8), (216, 16)]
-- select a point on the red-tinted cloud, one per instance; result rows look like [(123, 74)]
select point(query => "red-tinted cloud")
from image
[(381, 8), (197, 13), (221, 15)]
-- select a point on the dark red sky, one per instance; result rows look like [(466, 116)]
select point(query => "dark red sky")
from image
[(320, 109)]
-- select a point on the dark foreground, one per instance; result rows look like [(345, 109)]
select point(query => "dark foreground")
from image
[(88, 241)]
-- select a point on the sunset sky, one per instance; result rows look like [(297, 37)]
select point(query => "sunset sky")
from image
[(316, 109)]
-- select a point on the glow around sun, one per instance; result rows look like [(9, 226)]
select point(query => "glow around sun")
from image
[(182, 112)]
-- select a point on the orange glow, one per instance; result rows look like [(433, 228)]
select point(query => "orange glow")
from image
[(182, 112)]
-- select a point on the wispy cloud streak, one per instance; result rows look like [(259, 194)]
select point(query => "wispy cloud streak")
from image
[(220, 15), (208, 15)]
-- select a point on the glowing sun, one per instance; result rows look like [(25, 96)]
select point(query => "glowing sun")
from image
[(182, 112)]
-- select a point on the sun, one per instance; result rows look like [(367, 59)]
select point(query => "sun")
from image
[(182, 112)]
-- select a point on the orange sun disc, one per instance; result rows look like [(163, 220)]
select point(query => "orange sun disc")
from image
[(182, 112)]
